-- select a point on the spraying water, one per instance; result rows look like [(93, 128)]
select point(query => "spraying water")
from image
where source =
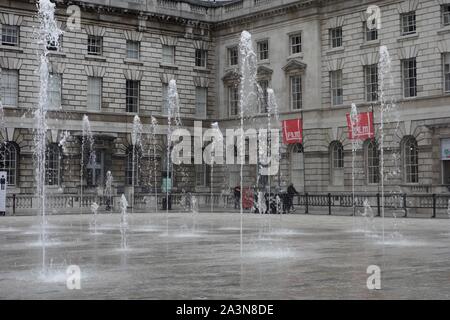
[(88, 137), (123, 222), (136, 139), (108, 190), (48, 32), (94, 209), (248, 100), (154, 126), (215, 142)]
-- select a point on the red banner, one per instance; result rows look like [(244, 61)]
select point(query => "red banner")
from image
[(292, 131), (363, 126)]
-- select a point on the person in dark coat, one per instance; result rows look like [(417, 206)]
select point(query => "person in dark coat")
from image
[(237, 196), (290, 197)]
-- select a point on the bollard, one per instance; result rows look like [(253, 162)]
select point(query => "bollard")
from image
[(329, 204), (306, 203), (434, 205), (378, 205)]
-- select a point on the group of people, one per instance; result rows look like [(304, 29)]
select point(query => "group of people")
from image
[(271, 202)]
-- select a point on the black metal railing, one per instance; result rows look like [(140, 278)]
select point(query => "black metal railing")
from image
[(423, 204)]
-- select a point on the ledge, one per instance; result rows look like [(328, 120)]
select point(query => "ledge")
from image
[(370, 44), (408, 37), (201, 69), (296, 56), (11, 48), (95, 58), (168, 65), (133, 61), (56, 54), (265, 61), (335, 50)]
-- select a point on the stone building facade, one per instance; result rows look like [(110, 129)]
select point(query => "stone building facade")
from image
[(317, 55)]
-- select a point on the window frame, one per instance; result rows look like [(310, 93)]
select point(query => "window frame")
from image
[(373, 32), (445, 75), (263, 105), (132, 100), (296, 96), (10, 32), (90, 93), (262, 47), (129, 167), (202, 104), (168, 54), (336, 155), (372, 162), (165, 99), (53, 164), (133, 52), (95, 45), (371, 85), (445, 14), (408, 23), (54, 96), (293, 45), (9, 153), (233, 56), (407, 78), (336, 37), (9, 89), (336, 87), (202, 175), (233, 100), (410, 155), (201, 58)]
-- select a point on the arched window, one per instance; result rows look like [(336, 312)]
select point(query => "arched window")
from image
[(372, 161), (9, 155), (53, 159), (337, 163), (130, 167), (410, 160)]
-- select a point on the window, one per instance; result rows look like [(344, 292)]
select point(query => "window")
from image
[(296, 43), (9, 87), (446, 59), (10, 35), (410, 160), (409, 78), (337, 93), (201, 58), (372, 162), (408, 23), (337, 163), (201, 96), (133, 48), (336, 37), (263, 85), (263, 50), (94, 169), (370, 34), (202, 175), (233, 56), (165, 99), (445, 13), (53, 165), (9, 156), (94, 93), (132, 96), (168, 54), (233, 100), (95, 45), (371, 82), (54, 91), (132, 170), (53, 45), (296, 92), (337, 155)]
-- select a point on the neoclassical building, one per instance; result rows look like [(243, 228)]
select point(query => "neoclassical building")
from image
[(319, 56)]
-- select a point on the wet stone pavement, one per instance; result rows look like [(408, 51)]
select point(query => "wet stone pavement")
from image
[(201, 256)]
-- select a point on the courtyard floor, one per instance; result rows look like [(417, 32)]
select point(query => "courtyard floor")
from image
[(202, 256)]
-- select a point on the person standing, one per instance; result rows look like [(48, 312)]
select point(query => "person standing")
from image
[(291, 191)]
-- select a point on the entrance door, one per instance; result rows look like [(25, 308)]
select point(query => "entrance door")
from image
[(297, 167)]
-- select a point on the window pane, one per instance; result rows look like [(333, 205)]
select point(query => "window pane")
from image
[(94, 93), (95, 45), (201, 101), (200, 58), (409, 78), (9, 87), (371, 81), (168, 54), (233, 56), (53, 165), (296, 43), (233, 97), (296, 92), (408, 22), (54, 91), (10, 35), (165, 99), (132, 96), (9, 161), (133, 49), (336, 87), (263, 50)]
